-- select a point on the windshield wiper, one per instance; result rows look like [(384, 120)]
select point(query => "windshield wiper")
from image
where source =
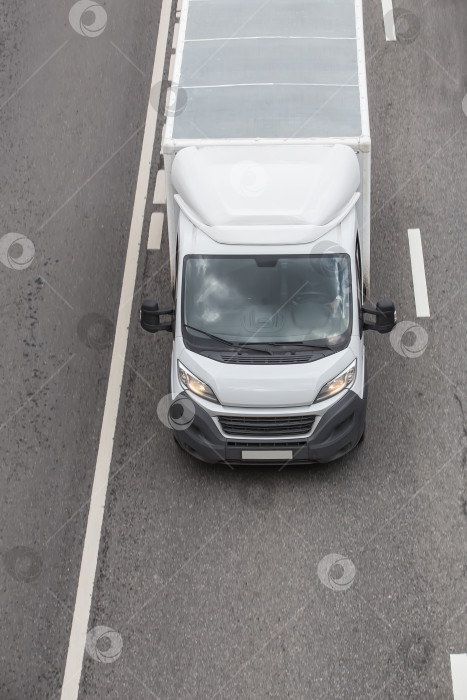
[(304, 343), (227, 342)]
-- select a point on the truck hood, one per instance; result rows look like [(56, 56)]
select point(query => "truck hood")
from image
[(264, 385)]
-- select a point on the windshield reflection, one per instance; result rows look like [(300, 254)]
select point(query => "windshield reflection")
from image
[(268, 299)]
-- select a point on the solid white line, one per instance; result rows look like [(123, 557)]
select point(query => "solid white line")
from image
[(74, 660), (388, 16), (155, 230), (159, 190), (418, 273), (459, 676)]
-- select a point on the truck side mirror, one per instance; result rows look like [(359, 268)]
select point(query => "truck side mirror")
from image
[(386, 317), (149, 317)]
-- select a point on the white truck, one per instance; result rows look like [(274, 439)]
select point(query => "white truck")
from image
[(267, 161)]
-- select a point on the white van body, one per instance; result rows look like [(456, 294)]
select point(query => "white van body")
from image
[(267, 158)]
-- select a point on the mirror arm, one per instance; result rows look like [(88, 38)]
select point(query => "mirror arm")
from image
[(372, 310), (379, 325), (150, 317)]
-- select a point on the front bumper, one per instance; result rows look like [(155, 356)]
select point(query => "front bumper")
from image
[(338, 432)]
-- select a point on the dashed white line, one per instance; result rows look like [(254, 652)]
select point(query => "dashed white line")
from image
[(155, 230), (459, 676), (388, 17), (171, 67), (159, 190), (74, 660), (175, 36), (418, 273)]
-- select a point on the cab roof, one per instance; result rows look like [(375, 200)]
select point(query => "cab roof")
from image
[(266, 185)]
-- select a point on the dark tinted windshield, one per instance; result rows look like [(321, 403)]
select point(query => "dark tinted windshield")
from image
[(264, 299)]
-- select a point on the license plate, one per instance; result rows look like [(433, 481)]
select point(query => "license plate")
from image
[(267, 454)]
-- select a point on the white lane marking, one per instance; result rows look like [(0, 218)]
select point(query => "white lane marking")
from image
[(159, 190), (459, 676), (74, 660), (388, 16), (155, 230), (171, 67), (418, 273), (175, 36)]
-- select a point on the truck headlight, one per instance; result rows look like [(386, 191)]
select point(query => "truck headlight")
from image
[(188, 380), (344, 380)]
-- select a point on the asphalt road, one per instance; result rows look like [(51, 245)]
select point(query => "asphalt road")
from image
[(214, 581)]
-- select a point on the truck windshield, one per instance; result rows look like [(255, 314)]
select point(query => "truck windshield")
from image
[(295, 299)]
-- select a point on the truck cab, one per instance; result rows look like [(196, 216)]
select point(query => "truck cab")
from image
[(268, 360)]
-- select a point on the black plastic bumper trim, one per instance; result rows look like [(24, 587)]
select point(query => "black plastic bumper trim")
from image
[(338, 432)]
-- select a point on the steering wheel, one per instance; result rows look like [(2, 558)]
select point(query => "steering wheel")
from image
[(317, 295), (321, 312)]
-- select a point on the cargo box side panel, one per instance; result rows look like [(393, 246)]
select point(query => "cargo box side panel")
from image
[(365, 149)]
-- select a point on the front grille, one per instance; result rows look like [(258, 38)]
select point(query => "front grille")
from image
[(265, 426)]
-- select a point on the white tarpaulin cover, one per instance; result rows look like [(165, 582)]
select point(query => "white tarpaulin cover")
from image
[(268, 69)]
